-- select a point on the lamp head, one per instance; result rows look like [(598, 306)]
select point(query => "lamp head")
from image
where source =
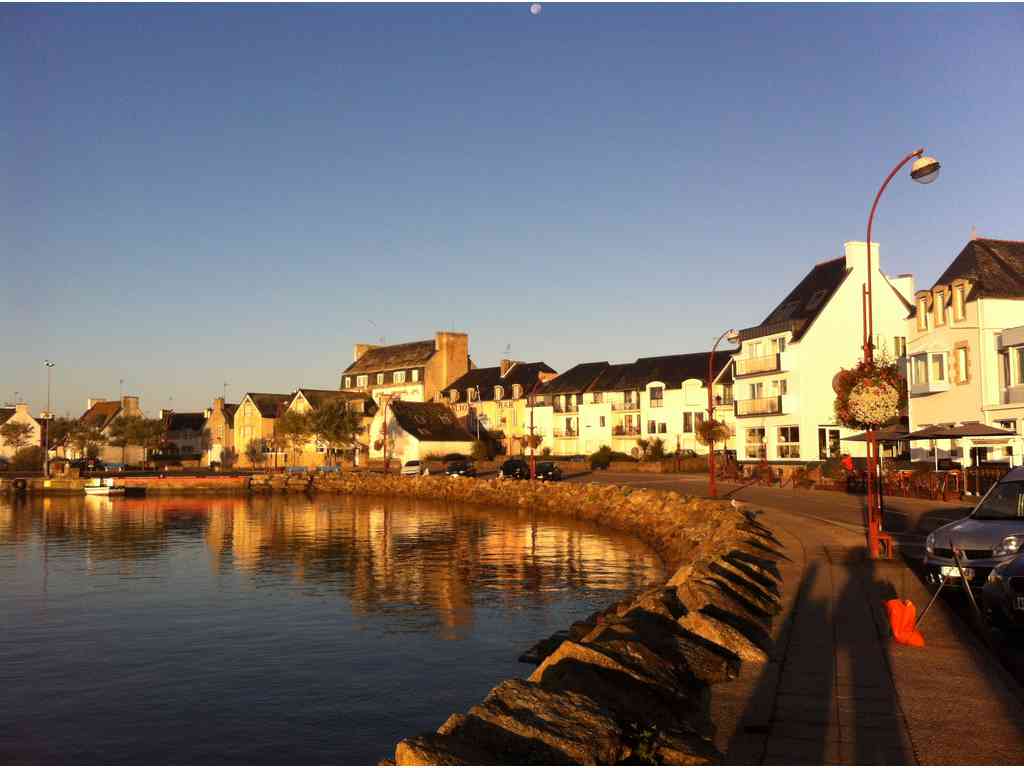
[(925, 170), (732, 336)]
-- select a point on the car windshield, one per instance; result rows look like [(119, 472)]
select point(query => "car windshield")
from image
[(1005, 502), (412, 463), (545, 466)]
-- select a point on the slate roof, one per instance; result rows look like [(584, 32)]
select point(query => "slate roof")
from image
[(804, 303), (5, 414), (994, 267), (484, 380), (574, 380), (318, 397), (429, 422), (408, 355), (101, 414), (674, 369), (229, 413), (185, 421), (270, 405)]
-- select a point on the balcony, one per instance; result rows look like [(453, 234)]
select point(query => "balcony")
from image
[(629, 405), (566, 433), (623, 431), (928, 387), (567, 408), (759, 406), (752, 366)]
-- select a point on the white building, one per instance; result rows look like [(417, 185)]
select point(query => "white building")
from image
[(19, 414), (596, 404), (966, 349), (785, 366), (404, 431)]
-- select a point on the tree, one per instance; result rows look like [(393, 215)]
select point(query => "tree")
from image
[(86, 440), (17, 434), (28, 458), (292, 430), (228, 457), (60, 430), (149, 433), (124, 431), (254, 452), (531, 441), (335, 425)]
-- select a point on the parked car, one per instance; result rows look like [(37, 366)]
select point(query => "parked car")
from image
[(547, 470), (460, 468), (1003, 594), (87, 465), (4, 463), (991, 536), (414, 468), (514, 469)]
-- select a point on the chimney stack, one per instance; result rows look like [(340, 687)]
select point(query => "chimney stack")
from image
[(218, 403), (130, 405), (89, 403), (360, 350), (856, 253), (506, 364)]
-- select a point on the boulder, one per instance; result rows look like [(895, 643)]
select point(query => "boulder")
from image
[(718, 632), (435, 749)]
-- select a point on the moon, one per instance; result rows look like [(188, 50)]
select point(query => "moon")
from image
[(536, 8)]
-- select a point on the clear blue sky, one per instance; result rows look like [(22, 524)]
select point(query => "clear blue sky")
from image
[(200, 194)]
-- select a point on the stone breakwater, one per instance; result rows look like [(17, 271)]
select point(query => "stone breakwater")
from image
[(630, 684)]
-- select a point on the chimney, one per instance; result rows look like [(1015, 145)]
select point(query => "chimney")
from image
[(506, 365), (904, 284), (21, 408), (218, 404), (92, 401), (856, 256), (207, 413), (453, 351), (974, 232), (130, 405), (361, 349), (164, 413)]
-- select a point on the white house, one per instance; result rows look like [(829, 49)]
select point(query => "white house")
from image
[(404, 430), (965, 345), (783, 371), (19, 414)]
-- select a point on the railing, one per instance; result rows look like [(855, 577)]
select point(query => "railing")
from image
[(657, 403), (565, 433), (629, 405), (747, 366), (759, 406), (625, 431), (567, 408)]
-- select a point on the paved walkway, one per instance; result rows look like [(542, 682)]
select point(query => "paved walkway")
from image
[(839, 690)]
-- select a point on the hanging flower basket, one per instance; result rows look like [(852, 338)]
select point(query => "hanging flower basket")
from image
[(869, 396)]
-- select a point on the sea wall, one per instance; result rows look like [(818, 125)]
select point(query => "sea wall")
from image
[(631, 683)]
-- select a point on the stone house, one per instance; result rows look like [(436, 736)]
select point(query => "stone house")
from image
[(492, 402), (101, 414), (965, 350), (413, 371), (315, 454), (784, 368), (185, 433), (219, 429), (404, 430), (19, 413), (254, 420)]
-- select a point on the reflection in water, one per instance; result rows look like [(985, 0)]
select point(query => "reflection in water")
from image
[(261, 601)]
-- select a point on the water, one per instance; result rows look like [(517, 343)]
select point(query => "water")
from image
[(275, 629)]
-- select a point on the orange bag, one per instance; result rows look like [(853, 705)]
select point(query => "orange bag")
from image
[(902, 615)]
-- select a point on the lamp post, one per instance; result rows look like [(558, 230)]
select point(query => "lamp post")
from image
[(925, 170), (712, 487), (48, 364)]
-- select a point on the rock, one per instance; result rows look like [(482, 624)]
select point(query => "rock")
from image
[(739, 569), (660, 600), (543, 648), (571, 723), (718, 632), (436, 749), (745, 591), (760, 565)]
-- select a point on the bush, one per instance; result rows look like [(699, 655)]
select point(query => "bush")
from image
[(482, 451), (601, 458), (28, 458), (693, 464), (834, 469), (545, 451)]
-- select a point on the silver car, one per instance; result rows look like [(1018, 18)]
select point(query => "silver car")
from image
[(990, 536), (1003, 594)]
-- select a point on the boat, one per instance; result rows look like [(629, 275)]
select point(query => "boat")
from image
[(103, 486)]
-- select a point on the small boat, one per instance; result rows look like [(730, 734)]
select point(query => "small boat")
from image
[(103, 486)]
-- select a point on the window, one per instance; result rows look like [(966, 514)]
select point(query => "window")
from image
[(652, 427), (601, 421), (940, 307), (958, 302), (779, 345), (599, 397), (727, 393), (828, 443), (757, 390), (789, 443), (900, 346), (657, 393), (756, 447), (922, 313), (816, 298), (1019, 355), (662, 428), (380, 378), (399, 377), (920, 369), (415, 374), (961, 361), (698, 418), (687, 423), (938, 367), (780, 387), (454, 395), (517, 391), (348, 382), (499, 392), (362, 381), (471, 395)]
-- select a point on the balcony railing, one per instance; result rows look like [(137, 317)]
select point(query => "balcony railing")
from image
[(565, 433), (759, 406), (748, 366), (567, 408), (629, 405), (620, 431)]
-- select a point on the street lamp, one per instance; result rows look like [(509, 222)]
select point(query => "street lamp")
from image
[(48, 364), (925, 170), (731, 335)]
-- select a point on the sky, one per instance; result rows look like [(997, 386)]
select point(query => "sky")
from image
[(197, 195)]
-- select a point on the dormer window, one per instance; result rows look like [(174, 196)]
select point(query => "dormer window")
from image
[(816, 298), (499, 392), (454, 395), (415, 374), (470, 392), (939, 306), (922, 313), (517, 391), (959, 302), (348, 382), (399, 377), (380, 378)]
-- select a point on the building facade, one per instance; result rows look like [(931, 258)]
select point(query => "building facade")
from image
[(101, 414), (965, 350), (220, 430), (413, 371), (254, 420), (19, 414), (405, 430), (315, 453), (784, 368)]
